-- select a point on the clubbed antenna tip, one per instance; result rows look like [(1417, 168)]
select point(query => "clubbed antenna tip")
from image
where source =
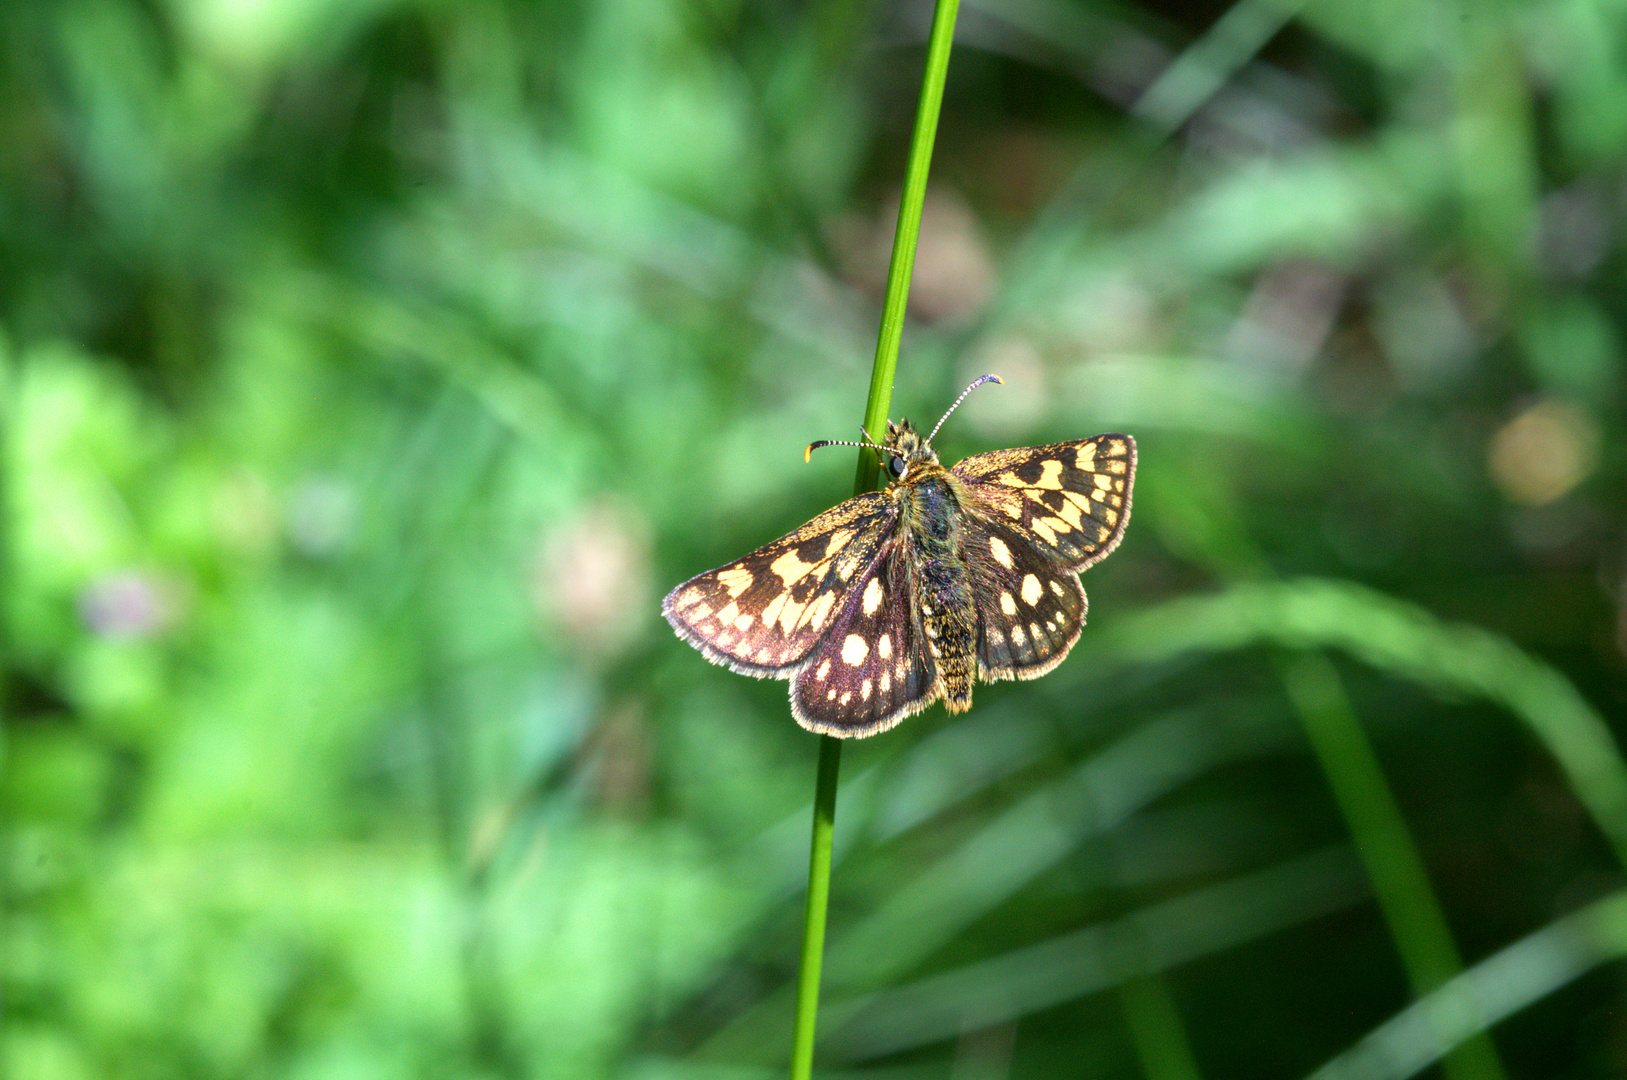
[(979, 381)]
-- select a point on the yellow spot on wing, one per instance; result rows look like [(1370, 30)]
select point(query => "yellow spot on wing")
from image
[(872, 596), (854, 650), (736, 580), (1086, 457), (1001, 553), (884, 646), (789, 612), (1072, 507), (819, 610), (1050, 475), (790, 567), (1031, 590), (1007, 605)]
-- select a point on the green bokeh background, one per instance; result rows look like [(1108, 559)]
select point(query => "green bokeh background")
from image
[(368, 370)]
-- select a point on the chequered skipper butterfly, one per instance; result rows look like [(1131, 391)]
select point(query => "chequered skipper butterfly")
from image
[(894, 599)]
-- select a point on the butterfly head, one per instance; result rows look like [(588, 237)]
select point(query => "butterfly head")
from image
[(906, 449)]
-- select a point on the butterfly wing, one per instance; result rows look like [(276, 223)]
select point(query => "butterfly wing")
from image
[(762, 614), (874, 667), (1070, 500), (1035, 517), (1030, 604)]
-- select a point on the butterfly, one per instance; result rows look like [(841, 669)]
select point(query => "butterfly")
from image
[(898, 598)]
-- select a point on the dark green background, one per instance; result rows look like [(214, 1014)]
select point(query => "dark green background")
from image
[(368, 370)]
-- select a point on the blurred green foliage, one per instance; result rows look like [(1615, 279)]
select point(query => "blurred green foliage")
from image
[(369, 369)]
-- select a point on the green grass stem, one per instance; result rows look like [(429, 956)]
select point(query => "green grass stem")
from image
[(875, 418), (1400, 881), (813, 935), (909, 228), (1156, 1031)]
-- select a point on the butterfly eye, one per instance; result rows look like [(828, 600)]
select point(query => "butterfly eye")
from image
[(897, 466)]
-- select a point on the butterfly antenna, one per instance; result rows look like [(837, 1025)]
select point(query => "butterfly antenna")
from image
[(975, 384), (808, 453)]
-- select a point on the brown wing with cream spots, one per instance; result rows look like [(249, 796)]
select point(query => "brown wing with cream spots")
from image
[(762, 614), (874, 667), (1030, 605), (1070, 500)]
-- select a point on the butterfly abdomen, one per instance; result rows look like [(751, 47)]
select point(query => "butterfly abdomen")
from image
[(942, 585)]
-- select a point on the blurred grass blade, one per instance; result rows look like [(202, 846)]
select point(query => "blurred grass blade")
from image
[(1199, 72), (1196, 924), (1015, 847), (1156, 1031), (1011, 850), (1497, 987), (1401, 883), (1408, 642)]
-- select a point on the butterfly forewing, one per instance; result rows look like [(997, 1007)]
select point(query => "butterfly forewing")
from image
[(874, 667), (1068, 499), (761, 615)]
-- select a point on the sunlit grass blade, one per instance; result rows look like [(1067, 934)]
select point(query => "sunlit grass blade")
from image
[(875, 417)]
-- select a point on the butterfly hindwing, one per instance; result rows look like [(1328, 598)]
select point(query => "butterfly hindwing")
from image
[(762, 614), (874, 667), (1070, 500), (1030, 605)]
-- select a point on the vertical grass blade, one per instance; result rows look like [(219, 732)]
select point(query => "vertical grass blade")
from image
[(875, 418), (1395, 868), (813, 939)]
